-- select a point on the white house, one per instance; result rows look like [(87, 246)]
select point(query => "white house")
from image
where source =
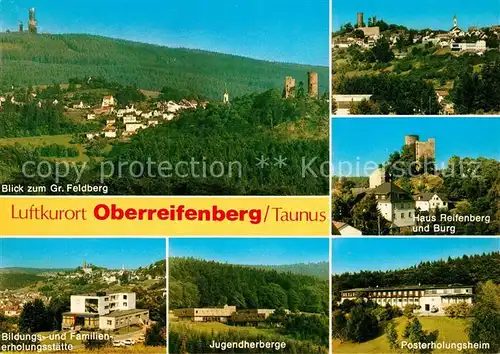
[(431, 201), (91, 136), (90, 116), (133, 127), (129, 119), (344, 102), (395, 204), (346, 229), (168, 116), (108, 101), (81, 105), (110, 131), (173, 107), (377, 177), (479, 46), (109, 278)]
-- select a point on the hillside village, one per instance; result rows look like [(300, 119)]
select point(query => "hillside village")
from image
[(115, 121), (472, 39), (122, 119), (438, 59), (12, 300)]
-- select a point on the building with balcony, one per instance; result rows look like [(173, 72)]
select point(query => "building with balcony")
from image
[(429, 299), (104, 311)]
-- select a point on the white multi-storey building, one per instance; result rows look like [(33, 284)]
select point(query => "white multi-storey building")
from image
[(429, 299), (104, 311)]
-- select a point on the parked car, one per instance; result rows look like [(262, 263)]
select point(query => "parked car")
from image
[(118, 343)]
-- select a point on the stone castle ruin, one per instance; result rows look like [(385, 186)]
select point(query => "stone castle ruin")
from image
[(312, 85), (421, 149)]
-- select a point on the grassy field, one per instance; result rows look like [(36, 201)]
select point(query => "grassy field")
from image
[(210, 327), (137, 349), (48, 140), (450, 331)]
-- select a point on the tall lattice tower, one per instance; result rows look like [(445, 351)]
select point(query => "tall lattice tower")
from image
[(33, 23)]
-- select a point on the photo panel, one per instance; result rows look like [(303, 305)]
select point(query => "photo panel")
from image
[(75, 295), (415, 176), (208, 99), (415, 295), (415, 58), (249, 295)]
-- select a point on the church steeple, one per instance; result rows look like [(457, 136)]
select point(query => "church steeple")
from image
[(455, 21), (225, 98)]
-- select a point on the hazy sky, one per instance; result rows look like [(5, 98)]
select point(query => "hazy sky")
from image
[(71, 252), (278, 30), (355, 254), (420, 13), (374, 139), (252, 251)]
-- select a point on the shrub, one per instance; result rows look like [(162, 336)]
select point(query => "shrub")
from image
[(458, 310), (408, 310)]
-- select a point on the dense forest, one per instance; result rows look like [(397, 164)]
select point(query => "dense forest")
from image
[(319, 270), (199, 283), (18, 279), (48, 58), (391, 94), (469, 270), (231, 138), (30, 120)]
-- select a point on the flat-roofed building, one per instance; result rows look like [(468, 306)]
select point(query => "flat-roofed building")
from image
[(344, 102), (429, 299), (207, 314), (92, 311)]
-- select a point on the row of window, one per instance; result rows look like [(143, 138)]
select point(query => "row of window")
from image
[(113, 297), (410, 292)]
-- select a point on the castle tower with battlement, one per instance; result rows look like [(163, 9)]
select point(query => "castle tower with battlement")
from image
[(422, 149), (312, 84), (289, 87), (360, 19)]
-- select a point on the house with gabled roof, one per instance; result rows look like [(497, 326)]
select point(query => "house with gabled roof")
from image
[(431, 201), (395, 204)]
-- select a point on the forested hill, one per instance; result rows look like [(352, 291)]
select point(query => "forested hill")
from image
[(200, 283), (47, 58), (318, 270), (468, 270)]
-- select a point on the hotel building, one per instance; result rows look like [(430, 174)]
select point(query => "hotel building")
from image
[(430, 299)]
